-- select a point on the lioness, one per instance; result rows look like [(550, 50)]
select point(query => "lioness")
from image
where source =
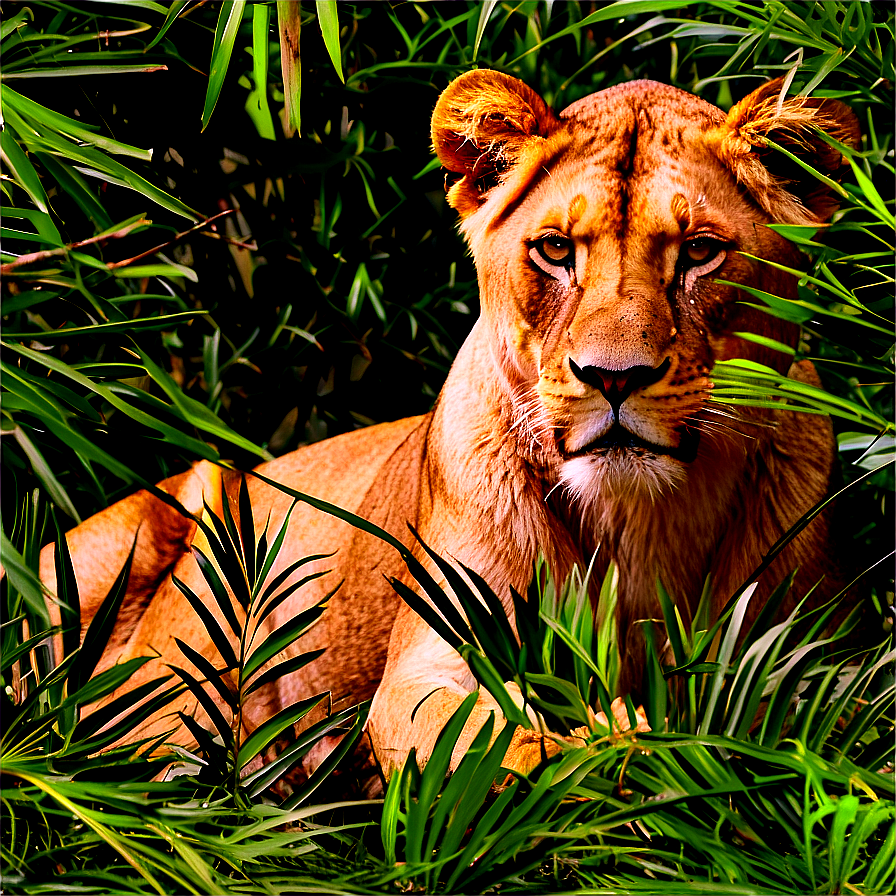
[(609, 241)]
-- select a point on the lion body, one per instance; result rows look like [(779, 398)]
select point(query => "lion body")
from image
[(576, 418)]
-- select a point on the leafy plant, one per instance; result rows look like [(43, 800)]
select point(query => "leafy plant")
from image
[(758, 762), (80, 792), (245, 562)]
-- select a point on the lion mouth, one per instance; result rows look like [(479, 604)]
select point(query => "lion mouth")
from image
[(618, 438)]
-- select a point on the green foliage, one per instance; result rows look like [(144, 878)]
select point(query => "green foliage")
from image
[(224, 235), (761, 770), (245, 562), (107, 819)]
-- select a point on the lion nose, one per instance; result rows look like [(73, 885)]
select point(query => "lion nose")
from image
[(617, 385)]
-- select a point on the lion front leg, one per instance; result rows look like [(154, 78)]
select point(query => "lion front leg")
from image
[(424, 683)]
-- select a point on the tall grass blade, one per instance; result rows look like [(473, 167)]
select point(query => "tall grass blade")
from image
[(229, 18)]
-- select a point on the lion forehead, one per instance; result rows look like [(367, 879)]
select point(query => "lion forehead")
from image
[(647, 101)]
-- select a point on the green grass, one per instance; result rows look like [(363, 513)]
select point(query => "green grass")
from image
[(208, 255)]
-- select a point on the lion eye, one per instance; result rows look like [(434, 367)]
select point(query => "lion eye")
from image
[(700, 250), (555, 250)]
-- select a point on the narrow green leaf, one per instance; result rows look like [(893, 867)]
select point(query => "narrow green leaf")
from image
[(100, 629), (674, 630), (76, 188), (172, 271), (81, 71), (222, 726), (43, 118), (45, 474), (258, 781), (89, 725), (726, 651), (247, 532), (485, 13), (229, 17), (195, 412), (20, 169), (281, 670), (162, 322), (870, 192), (323, 771), (328, 19), (432, 778), (264, 607), (176, 8), (265, 734), (257, 102), (281, 638), (211, 674), (334, 510), (767, 342), (211, 625)]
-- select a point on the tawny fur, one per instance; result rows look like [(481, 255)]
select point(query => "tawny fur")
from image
[(507, 463)]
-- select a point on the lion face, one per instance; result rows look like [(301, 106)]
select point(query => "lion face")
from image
[(600, 237)]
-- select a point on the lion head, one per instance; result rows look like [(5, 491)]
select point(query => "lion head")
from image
[(610, 240)]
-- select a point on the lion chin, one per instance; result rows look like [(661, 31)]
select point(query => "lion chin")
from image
[(620, 474)]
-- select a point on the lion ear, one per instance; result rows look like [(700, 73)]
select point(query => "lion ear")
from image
[(481, 125), (785, 190)]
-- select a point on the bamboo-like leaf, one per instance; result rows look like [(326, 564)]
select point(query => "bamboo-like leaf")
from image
[(222, 726), (432, 777), (780, 701), (229, 17), (20, 169), (457, 786), (174, 435), (211, 625), (76, 188), (140, 271), (485, 13), (328, 19), (162, 322), (323, 771), (726, 651), (176, 8), (281, 638), (333, 510), (266, 733), (42, 117), (281, 670), (258, 781), (101, 684), (211, 674), (94, 163), (426, 612), (674, 628), (269, 557), (247, 533), (79, 71), (89, 725), (767, 342), (485, 673), (212, 750), (257, 101), (195, 412), (230, 567), (870, 192), (481, 782), (100, 629), (263, 608), (289, 22)]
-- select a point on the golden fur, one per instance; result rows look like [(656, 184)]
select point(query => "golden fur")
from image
[(578, 413)]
